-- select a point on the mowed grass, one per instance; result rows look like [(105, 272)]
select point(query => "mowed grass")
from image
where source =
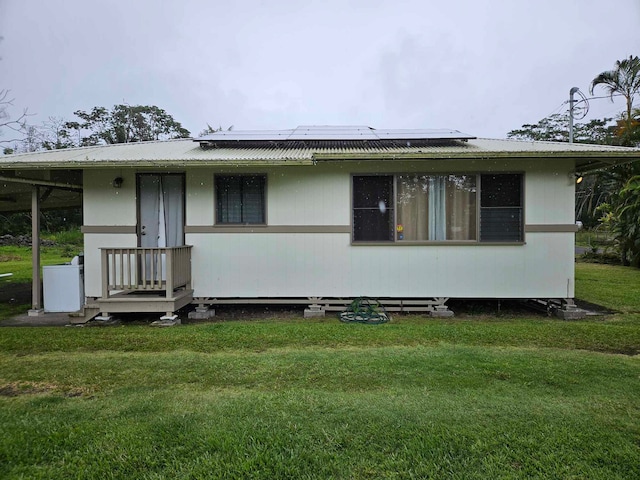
[(401, 411), (512, 396), (17, 261), (416, 398), (612, 286)]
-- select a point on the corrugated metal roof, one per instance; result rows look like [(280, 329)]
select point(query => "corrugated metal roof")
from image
[(186, 152)]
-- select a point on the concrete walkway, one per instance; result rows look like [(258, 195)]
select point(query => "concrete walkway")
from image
[(44, 320)]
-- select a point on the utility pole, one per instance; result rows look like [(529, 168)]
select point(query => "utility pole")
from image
[(571, 102)]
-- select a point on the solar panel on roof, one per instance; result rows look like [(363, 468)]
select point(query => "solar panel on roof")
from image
[(332, 133)]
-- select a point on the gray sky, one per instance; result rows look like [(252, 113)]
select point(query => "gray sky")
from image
[(480, 66)]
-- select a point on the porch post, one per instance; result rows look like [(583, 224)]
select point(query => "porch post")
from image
[(36, 284)]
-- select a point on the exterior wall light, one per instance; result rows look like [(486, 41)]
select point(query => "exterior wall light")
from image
[(117, 182)]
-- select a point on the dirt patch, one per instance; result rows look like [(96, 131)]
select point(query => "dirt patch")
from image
[(10, 258), (16, 389), (257, 312), (17, 293), (593, 307)]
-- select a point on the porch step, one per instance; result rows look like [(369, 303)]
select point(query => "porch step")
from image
[(88, 312), (145, 302)]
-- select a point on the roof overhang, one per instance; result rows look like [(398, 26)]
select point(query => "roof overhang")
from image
[(185, 153), (584, 161), (63, 191)]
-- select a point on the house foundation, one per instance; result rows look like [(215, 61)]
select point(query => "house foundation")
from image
[(570, 311), (202, 312)]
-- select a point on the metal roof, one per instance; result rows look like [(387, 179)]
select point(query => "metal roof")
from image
[(184, 152)]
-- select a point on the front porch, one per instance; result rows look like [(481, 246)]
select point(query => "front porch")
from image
[(145, 280)]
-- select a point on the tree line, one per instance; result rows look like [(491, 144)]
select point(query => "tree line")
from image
[(98, 126), (609, 197)]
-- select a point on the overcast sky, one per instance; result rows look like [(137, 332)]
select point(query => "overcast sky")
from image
[(480, 66)]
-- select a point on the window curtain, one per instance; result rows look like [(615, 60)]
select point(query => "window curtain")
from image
[(162, 217), (413, 207), (437, 208), (461, 207), (171, 212)]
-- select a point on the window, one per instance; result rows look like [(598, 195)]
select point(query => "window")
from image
[(373, 208), (240, 199), (421, 208), (501, 208), (436, 207)]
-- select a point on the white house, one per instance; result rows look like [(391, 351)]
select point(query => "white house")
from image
[(320, 215)]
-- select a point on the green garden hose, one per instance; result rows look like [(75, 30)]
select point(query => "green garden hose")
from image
[(365, 310)]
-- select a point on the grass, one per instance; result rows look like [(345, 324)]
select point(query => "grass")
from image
[(357, 406), (17, 261), (510, 396), (72, 237), (612, 286)]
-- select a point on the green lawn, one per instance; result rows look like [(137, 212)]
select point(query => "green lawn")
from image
[(17, 261), (613, 286), (514, 396)]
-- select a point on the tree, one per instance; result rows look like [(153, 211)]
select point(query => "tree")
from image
[(596, 189), (554, 128), (623, 217), (16, 125), (209, 130), (121, 124), (55, 134), (125, 124), (629, 129), (624, 80)]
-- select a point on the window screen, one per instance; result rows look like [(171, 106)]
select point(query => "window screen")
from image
[(373, 208), (501, 208), (240, 199)]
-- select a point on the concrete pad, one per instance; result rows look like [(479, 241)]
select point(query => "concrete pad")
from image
[(571, 313), (202, 313), (441, 311), (44, 320), (167, 321), (313, 313)]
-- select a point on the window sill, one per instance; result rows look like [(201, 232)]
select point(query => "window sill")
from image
[(239, 225)]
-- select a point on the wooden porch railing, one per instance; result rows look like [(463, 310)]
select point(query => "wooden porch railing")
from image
[(145, 269)]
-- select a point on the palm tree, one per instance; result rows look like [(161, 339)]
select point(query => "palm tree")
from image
[(624, 79)]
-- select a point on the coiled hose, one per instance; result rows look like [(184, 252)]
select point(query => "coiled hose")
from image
[(365, 310)]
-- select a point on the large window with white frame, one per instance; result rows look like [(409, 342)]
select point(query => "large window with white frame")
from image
[(410, 208)]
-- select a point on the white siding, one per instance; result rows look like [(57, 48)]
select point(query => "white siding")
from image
[(105, 205), (301, 265), (285, 265)]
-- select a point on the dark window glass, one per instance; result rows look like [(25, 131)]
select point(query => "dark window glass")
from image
[(373, 208), (240, 199), (501, 208)]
